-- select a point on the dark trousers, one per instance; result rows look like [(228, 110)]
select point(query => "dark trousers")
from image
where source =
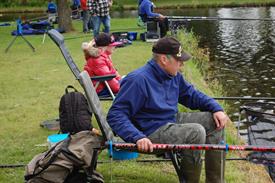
[(195, 128), (163, 25)]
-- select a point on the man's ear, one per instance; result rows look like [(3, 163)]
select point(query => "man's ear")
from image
[(163, 59)]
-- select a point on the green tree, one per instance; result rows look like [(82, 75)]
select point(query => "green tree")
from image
[(24, 2)]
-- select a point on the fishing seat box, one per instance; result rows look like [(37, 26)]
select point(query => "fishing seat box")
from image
[(118, 36), (152, 33)]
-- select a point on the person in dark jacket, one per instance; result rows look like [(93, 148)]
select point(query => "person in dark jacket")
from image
[(145, 111), (146, 12)]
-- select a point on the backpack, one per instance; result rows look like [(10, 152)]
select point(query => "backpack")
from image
[(70, 161), (74, 113)]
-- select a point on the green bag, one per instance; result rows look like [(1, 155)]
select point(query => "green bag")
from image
[(68, 160)]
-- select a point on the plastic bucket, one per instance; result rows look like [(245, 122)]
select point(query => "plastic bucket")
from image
[(55, 138), (132, 36), (123, 155)]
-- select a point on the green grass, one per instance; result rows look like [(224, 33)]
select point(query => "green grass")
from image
[(31, 86)]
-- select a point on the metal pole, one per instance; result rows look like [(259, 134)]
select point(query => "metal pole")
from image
[(189, 18), (244, 98)]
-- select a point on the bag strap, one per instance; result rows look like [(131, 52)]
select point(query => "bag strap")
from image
[(68, 154), (65, 144), (68, 87)]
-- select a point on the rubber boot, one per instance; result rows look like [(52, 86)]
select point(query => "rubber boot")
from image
[(191, 170), (214, 166)]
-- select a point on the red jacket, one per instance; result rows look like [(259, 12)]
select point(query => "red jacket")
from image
[(83, 4), (102, 65)]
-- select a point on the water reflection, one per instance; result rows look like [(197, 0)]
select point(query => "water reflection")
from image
[(124, 14), (241, 52)]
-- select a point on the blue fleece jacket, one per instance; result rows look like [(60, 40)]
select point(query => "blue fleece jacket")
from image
[(148, 99), (146, 10)]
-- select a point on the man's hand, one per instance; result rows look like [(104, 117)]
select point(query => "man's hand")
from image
[(144, 145), (161, 17), (220, 119)]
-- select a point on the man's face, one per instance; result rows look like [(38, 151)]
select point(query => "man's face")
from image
[(172, 66)]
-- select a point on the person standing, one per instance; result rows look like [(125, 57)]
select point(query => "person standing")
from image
[(100, 13), (145, 111), (85, 16), (51, 10), (75, 8)]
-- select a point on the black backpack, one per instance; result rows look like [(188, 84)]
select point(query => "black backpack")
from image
[(74, 112)]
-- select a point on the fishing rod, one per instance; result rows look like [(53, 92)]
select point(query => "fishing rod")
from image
[(45, 17), (155, 160), (189, 18), (244, 98), (13, 166), (181, 147), (76, 37), (127, 29)]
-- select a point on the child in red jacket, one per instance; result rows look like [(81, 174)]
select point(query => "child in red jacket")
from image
[(98, 61)]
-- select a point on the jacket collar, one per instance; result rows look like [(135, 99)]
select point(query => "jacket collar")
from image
[(158, 72)]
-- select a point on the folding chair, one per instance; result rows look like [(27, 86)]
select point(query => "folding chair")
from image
[(58, 39), (140, 23), (106, 130)]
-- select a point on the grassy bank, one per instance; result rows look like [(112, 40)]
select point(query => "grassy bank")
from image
[(40, 6), (32, 84)]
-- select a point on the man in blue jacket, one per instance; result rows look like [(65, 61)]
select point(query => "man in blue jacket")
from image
[(145, 111), (145, 11)]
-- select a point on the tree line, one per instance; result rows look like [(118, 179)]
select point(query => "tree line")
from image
[(14, 3)]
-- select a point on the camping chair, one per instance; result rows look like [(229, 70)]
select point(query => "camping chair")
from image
[(140, 23), (58, 39), (106, 130)]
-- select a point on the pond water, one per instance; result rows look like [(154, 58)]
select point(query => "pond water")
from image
[(242, 53), (242, 56)]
